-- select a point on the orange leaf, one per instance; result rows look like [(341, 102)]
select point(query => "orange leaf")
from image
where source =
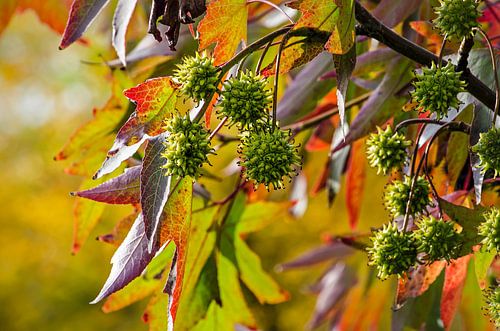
[(54, 13), (355, 181), (176, 220), (226, 25), (454, 281), (426, 30)]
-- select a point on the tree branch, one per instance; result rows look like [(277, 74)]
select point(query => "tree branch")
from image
[(373, 28)]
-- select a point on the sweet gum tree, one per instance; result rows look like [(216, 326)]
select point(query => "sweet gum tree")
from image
[(410, 86)]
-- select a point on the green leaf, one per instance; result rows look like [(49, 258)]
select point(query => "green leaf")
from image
[(468, 219), (233, 301), (216, 319), (482, 262)]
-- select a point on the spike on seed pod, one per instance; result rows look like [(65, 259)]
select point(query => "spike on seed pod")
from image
[(489, 229), (392, 252), (436, 89), (268, 155), (197, 76), (457, 18), (397, 194), (437, 239), (488, 150), (245, 101), (186, 147), (492, 307), (386, 150)]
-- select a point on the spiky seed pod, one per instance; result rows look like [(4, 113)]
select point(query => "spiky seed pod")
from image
[(488, 150), (457, 18), (197, 76), (392, 252), (436, 89), (186, 147), (268, 156), (490, 230), (245, 100), (492, 296), (387, 150), (398, 192), (437, 239)]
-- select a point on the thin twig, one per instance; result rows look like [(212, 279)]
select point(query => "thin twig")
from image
[(373, 28), (417, 121), (276, 80), (269, 3), (262, 56)]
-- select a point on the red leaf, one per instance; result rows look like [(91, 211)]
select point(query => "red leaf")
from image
[(123, 189), (120, 230), (454, 281), (156, 99), (355, 182), (82, 13), (175, 226)]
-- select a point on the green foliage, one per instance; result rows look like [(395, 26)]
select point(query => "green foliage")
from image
[(436, 89), (490, 230), (488, 150), (186, 147), (268, 155), (437, 239), (397, 194), (245, 100), (392, 251), (387, 150), (457, 18), (198, 76)]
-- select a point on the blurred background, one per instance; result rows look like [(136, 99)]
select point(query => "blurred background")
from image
[(45, 95)]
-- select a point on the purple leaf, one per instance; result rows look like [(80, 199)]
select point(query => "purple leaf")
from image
[(336, 164), (333, 286), (155, 186), (344, 65), (81, 15), (123, 189), (481, 122), (129, 260), (321, 254), (391, 12), (381, 105), (302, 95), (121, 19)]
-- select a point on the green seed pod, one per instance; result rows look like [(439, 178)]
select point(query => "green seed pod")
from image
[(398, 192), (245, 101), (490, 230), (436, 89), (268, 156), (457, 18), (387, 150), (197, 76), (392, 252), (186, 147), (488, 150), (437, 239), (492, 296)]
